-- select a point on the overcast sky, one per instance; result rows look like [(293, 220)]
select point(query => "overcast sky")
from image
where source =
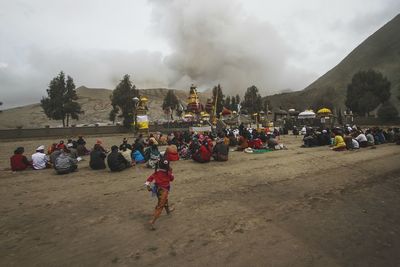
[(275, 45)]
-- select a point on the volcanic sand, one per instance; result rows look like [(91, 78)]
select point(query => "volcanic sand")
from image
[(295, 207)]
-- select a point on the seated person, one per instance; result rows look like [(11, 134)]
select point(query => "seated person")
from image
[(18, 161), (73, 153), (203, 153), (272, 143), (97, 157), (125, 145), (338, 143), (65, 163), (54, 155), (243, 143), (40, 160), (171, 152), (362, 139), (80, 146), (354, 144), (221, 150), (127, 153), (116, 161)]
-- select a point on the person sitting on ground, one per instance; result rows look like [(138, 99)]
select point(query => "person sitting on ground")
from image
[(338, 143), (40, 160), (272, 142), (61, 145), (362, 139), (116, 162), (396, 136), (100, 143), (97, 157), (151, 154), (54, 155), (52, 148), (73, 153), (309, 139), (18, 161), (355, 144), (171, 152), (125, 145), (232, 140), (80, 146), (162, 140), (220, 150), (65, 163), (138, 146), (203, 153), (243, 142), (127, 153), (370, 138)]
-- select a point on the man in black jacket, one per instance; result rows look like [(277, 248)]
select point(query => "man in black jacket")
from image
[(116, 161)]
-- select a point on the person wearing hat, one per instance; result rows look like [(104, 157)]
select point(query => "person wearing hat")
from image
[(18, 161), (64, 163), (73, 153), (161, 179), (40, 160)]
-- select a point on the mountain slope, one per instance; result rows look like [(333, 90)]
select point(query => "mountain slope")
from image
[(380, 51), (96, 104)]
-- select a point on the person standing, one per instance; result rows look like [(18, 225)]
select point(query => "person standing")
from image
[(161, 179)]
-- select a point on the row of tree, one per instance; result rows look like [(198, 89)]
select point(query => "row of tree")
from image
[(367, 91)]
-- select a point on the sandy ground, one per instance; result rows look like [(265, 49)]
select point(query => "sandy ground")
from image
[(296, 207)]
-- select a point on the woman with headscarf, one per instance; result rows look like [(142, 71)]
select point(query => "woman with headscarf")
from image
[(151, 154), (203, 153), (18, 161)]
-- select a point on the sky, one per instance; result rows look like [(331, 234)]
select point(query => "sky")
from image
[(275, 45)]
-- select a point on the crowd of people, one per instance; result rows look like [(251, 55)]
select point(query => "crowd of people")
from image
[(199, 147), (349, 138)]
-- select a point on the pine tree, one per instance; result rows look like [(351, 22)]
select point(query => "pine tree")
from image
[(60, 104), (170, 103), (218, 99), (122, 101), (227, 102), (252, 102)]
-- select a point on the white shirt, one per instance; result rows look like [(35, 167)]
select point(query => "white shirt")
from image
[(361, 138), (355, 144), (39, 161)]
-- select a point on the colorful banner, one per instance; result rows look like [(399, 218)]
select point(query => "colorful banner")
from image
[(143, 122)]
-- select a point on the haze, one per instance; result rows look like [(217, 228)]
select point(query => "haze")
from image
[(172, 43)]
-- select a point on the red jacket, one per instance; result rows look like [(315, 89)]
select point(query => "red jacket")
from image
[(162, 178), (19, 162)]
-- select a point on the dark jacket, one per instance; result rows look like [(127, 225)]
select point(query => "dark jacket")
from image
[(97, 160), (116, 162), (220, 152)]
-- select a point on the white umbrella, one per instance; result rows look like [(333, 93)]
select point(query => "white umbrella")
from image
[(308, 114)]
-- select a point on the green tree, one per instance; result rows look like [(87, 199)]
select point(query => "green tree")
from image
[(233, 105), (60, 103), (340, 116), (218, 99), (366, 91), (237, 101), (122, 100), (388, 111), (227, 102), (170, 103), (252, 101)]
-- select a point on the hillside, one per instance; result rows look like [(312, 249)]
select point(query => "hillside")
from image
[(96, 104), (380, 51)]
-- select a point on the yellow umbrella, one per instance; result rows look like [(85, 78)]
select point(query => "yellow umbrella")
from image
[(324, 111)]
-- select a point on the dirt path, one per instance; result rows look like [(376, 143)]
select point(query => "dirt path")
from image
[(298, 207)]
